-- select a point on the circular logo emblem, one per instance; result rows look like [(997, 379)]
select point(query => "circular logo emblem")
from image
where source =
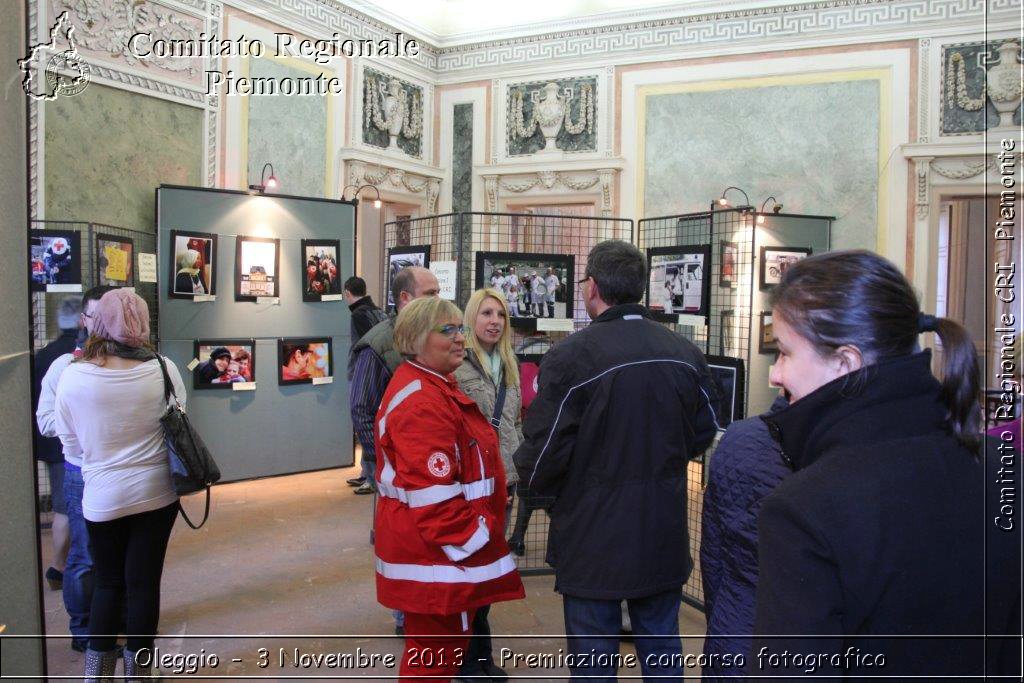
[(67, 73), (439, 465)]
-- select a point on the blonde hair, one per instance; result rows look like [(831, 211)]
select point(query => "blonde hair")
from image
[(187, 260), (509, 364), (416, 320)]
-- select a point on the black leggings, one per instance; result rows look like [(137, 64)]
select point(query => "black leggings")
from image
[(128, 560)]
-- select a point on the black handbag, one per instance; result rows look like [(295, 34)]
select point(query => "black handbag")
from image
[(192, 466)]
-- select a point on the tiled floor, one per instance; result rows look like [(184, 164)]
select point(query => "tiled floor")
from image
[(285, 561)]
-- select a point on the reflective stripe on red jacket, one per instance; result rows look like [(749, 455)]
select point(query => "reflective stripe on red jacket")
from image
[(441, 511)]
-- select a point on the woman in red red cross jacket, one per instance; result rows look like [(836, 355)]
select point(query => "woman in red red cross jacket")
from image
[(440, 546)]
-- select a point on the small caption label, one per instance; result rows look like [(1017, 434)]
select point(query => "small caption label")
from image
[(323, 380), (243, 386), (192, 365), (272, 300), (554, 325)]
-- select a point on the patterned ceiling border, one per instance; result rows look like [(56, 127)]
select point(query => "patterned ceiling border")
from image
[(807, 20)]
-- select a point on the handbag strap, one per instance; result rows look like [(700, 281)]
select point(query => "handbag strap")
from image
[(206, 512), (168, 385), (499, 405)]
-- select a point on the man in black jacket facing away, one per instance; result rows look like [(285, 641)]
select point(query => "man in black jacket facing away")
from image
[(622, 407), (365, 313)]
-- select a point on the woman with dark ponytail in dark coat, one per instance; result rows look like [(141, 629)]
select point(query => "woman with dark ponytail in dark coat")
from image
[(879, 555)]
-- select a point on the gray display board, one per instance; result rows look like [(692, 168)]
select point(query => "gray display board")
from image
[(777, 231), (274, 429)]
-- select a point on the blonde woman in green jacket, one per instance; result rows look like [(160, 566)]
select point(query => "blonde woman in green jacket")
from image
[(490, 370)]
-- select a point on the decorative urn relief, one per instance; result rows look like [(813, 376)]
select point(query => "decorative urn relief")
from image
[(395, 108), (552, 112), (1004, 82)]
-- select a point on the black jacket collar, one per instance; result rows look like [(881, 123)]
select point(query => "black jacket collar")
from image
[(896, 398), (360, 303), (620, 310)]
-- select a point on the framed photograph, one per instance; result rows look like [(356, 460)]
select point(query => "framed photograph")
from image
[(529, 369), (55, 259), (775, 260), (223, 362), (193, 263), (257, 261), (729, 381), (679, 281), (403, 257), (729, 253), (535, 285), (300, 360), (320, 273), (766, 335), (114, 258)]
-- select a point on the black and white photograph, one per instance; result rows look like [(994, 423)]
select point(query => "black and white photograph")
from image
[(300, 360), (728, 375), (404, 257), (257, 260), (320, 272), (766, 342), (114, 261), (727, 332), (56, 258), (728, 256), (223, 362), (679, 282), (535, 285), (775, 261), (194, 264)]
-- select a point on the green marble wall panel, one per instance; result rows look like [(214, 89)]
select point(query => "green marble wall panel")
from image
[(786, 140), (372, 135), (585, 141), (106, 150), (289, 131), (955, 119), (462, 158)]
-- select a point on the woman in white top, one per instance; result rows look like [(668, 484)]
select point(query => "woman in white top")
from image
[(108, 409)]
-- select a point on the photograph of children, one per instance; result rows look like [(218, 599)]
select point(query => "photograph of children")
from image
[(679, 282), (766, 335), (775, 260), (403, 257), (56, 258), (535, 285), (728, 254), (114, 257), (320, 274), (727, 374), (193, 262), (301, 360), (223, 362), (256, 266)]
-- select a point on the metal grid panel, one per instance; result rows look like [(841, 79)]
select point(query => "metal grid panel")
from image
[(727, 332), (45, 305), (459, 236)]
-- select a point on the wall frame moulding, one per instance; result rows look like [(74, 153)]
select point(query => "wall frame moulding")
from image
[(397, 179), (109, 68), (447, 100)]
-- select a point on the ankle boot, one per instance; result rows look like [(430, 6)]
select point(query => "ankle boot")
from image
[(134, 672), (100, 666)]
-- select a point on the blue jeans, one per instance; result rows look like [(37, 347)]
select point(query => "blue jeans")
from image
[(592, 626), (78, 572)]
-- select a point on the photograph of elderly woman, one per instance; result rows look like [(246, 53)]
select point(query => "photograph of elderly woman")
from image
[(193, 263), (223, 362), (300, 361)]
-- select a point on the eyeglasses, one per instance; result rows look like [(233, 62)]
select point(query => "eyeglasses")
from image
[(451, 330)]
